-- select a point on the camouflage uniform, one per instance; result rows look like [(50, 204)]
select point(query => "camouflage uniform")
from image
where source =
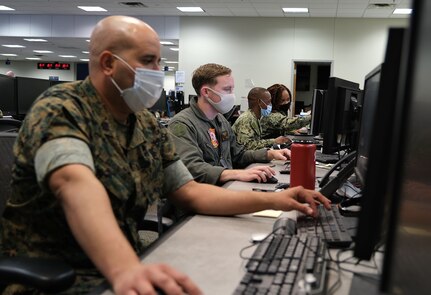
[(278, 124), (132, 162), (207, 147), (249, 132)]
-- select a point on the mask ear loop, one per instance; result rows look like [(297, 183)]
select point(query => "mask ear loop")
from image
[(116, 86), (112, 79), (121, 59)]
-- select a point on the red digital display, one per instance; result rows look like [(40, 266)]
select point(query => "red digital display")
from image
[(53, 66)]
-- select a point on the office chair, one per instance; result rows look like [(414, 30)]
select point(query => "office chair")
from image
[(9, 125), (47, 275)]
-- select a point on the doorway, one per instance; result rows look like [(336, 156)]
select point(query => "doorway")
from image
[(307, 76)]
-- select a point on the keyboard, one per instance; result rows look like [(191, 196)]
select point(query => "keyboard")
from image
[(286, 264), (328, 225), (327, 158)]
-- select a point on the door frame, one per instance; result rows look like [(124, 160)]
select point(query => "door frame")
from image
[(295, 62)]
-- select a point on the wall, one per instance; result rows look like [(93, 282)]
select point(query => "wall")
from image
[(29, 69), (262, 49)]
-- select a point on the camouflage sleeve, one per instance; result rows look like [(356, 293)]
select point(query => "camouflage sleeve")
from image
[(248, 133), (187, 146), (242, 157), (283, 124), (60, 152)]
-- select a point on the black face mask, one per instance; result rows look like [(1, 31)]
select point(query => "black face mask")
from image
[(285, 108)]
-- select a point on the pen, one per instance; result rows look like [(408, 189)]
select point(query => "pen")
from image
[(256, 189)]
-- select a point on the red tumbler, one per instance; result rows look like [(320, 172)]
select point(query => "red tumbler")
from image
[(303, 164)]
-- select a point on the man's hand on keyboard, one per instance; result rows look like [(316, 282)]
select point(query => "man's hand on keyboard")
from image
[(301, 199)]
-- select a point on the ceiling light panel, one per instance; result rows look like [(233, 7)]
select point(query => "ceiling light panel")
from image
[(295, 10), (2, 7), (92, 8), (190, 9), (13, 46)]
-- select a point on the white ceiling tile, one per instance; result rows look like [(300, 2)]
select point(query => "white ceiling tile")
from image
[(66, 11)]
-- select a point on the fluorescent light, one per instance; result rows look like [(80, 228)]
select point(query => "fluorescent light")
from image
[(166, 43), (84, 59), (69, 56), (163, 58), (88, 40), (13, 46), (171, 62), (8, 54), (85, 52), (33, 58), (35, 40), (2, 7), (402, 11), (92, 8), (295, 10), (42, 51), (174, 49), (190, 9)]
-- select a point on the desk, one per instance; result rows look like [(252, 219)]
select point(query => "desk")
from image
[(207, 248)]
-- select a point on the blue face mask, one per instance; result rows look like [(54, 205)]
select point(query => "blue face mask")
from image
[(267, 111)]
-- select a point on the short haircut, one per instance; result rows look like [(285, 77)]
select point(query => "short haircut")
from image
[(207, 74), (256, 93)]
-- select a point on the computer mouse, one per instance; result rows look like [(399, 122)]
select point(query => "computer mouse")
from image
[(282, 185), (258, 237), (272, 179)]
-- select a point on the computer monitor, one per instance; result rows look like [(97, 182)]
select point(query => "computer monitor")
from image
[(317, 111), (341, 115), (27, 90), (7, 95), (407, 252), (161, 105), (374, 153)]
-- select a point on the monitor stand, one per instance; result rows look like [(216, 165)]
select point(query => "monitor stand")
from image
[(330, 185)]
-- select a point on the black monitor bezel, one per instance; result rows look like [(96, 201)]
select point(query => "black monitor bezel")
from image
[(316, 125), (24, 102), (334, 105), (376, 201), (10, 101)]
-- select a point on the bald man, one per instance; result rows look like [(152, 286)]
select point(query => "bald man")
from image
[(89, 160), (247, 127)]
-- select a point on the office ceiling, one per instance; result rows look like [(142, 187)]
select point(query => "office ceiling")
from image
[(228, 8)]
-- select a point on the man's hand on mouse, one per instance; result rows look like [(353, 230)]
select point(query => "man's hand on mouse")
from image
[(256, 173), (283, 154)]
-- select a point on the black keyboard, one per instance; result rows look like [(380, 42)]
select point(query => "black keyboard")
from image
[(327, 158), (286, 264), (328, 225)]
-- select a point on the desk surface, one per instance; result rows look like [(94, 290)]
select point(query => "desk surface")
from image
[(207, 248)]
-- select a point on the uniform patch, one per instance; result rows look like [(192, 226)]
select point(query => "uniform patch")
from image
[(178, 129), (213, 137), (224, 135)]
